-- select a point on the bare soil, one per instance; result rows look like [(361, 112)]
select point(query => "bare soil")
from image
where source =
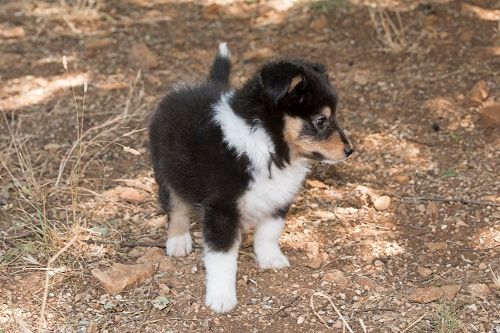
[(411, 104)]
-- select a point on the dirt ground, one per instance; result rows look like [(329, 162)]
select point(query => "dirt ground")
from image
[(420, 93)]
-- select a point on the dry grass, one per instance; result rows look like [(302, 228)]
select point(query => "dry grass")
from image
[(446, 320), (390, 29), (38, 195)]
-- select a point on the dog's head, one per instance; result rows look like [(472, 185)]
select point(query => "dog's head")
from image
[(301, 92)]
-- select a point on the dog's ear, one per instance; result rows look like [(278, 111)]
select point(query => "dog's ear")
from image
[(280, 79), (318, 68)]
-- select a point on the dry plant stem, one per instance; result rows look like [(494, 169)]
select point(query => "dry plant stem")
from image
[(346, 325), (123, 243), (460, 200), (47, 280), (413, 324)]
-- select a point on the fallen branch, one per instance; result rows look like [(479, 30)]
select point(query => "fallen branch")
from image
[(443, 199), (346, 325), (413, 324), (47, 280), (124, 243)]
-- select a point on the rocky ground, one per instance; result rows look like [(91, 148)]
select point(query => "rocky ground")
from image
[(403, 237)]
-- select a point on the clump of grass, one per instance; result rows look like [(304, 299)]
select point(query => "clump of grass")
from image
[(390, 29), (447, 320), (326, 6)]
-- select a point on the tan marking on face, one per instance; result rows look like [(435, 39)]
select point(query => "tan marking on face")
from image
[(326, 111), (179, 217), (295, 81), (332, 148)]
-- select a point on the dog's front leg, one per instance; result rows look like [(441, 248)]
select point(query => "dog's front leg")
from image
[(222, 241), (266, 243)]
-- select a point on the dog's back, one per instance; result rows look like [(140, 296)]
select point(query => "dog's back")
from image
[(186, 145)]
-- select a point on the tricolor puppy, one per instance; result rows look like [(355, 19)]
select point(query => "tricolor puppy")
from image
[(241, 155)]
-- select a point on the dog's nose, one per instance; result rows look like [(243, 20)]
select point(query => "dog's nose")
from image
[(348, 151)]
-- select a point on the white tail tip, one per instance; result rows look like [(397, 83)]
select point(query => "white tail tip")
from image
[(223, 50)]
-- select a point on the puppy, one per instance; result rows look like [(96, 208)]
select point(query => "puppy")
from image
[(241, 155)]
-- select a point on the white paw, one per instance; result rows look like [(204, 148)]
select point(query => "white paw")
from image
[(179, 246), (221, 300), (272, 259)]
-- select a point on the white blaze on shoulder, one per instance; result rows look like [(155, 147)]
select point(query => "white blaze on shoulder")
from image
[(271, 188), (220, 277)]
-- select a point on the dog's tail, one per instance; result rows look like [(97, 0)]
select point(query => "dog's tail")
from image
[(221, 67)]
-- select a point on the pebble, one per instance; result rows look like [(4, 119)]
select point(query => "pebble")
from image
[(338, 277), (425, 295), (436, 246), (479, 290), (131, 195), (300, 320), (120, 276), (423, 271), (382, 203)]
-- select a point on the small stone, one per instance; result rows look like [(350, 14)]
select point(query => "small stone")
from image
[(316, 183), (156, 222), (51, 147), (482, 266), (490, 115), (437, 246), (479, 290), (478, 93), (155, 256), (369, 283), (378, 263), (338, 277), (382, 203), (450, 291), (92, 327), (131, 195), (120, 276), (300, 320), (142, 55), (259, 54), (402, 179), (319, 24), (432, 208), (11, 32), (423, 271), (425, 295), (92, 43)]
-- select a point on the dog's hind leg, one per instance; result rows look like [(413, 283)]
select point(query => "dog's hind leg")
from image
[(179, 242)]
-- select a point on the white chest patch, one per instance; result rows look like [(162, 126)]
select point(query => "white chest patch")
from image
[(267, 191)]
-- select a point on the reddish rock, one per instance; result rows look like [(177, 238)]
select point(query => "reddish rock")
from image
[(337, 277), (120, 276), (423, 271), (479, 290), (143, 56), (156, 256), (316, 183), (437, 246), (478, 93), (490, 115), (425, 295), (365, 281), (450, 291), (131, 195), (260, 54), (319, 24)]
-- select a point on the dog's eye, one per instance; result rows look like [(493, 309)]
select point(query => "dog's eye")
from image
[(320, 123), (301, 99)]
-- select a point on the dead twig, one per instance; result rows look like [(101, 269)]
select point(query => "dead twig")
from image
[(443, 199), (47, 280), (413, 324), (123, 243), (346, 325)]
